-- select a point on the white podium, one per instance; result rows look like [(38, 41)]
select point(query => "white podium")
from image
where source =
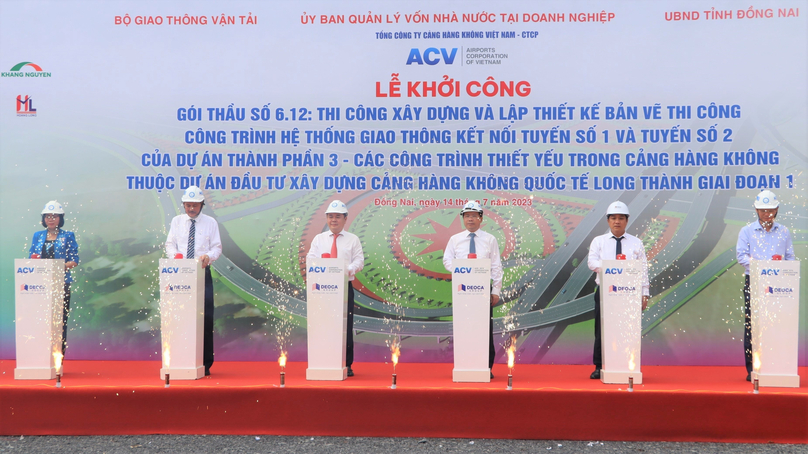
[(775, 303), (471, 307), (621, 320), (182, 318), (327, 318), (39, 309)]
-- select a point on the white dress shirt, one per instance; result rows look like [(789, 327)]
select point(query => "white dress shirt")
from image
[(348, 248), (604, 247), (487, 248), (206, 237)]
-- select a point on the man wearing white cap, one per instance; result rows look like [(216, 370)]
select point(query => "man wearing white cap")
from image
[(760, 240), (339, 243), (608, 247), (196, 236), (475, 241)]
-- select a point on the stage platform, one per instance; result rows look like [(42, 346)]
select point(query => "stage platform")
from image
[(547, 402)]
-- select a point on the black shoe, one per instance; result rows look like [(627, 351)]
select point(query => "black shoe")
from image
[(595, 375), (207, 371), (492, 375), (350, 372), (749, 376)]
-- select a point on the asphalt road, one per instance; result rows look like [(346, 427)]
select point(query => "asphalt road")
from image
[(339, 445)]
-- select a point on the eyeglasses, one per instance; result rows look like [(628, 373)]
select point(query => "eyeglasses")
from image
[(51, 216)]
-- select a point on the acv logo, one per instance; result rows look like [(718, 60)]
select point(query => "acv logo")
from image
[(432, 56)]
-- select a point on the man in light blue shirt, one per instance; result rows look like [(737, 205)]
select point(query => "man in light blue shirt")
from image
[(760, 240)]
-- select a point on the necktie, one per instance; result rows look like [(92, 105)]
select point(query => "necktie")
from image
[(334, 247), (472, 246), (619, 248), (191, 239)]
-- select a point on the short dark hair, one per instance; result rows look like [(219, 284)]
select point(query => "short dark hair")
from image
[(61, 219), (615, 214)]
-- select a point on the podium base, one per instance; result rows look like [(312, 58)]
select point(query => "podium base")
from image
[(777, 381), (177, 373), (35, 373), (327, 374), (619, 378), (471, 376)]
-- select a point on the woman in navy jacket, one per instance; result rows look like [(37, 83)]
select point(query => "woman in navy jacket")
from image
[(55, 243)]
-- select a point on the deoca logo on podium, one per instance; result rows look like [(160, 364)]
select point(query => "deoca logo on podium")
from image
[(778, 291), (178, 288), (622, 289), (471, 288), (26, 288)]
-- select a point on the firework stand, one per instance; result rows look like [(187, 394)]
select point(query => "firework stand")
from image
[(621, 320), (775, 303), (471, 302), (182, 317), (39, 308), (327, 317)]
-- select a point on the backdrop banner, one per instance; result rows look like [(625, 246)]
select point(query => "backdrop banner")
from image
[(544, 112)]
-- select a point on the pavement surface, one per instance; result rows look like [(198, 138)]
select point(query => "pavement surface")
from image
[(339, 445)]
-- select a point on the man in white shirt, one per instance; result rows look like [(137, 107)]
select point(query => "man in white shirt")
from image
[(484, 245), (338, 243), (608, 247), (194, 235)]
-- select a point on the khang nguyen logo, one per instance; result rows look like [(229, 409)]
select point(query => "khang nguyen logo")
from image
[(25, 69)]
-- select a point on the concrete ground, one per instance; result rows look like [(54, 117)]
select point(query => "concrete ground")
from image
[(344, 445)]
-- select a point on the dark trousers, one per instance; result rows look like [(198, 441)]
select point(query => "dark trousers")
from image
[(349, 339), (207, 352), (66, 310), (492, 352), (597, 353), (747, 326)]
